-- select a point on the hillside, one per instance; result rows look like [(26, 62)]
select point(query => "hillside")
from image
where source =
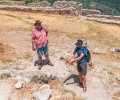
[(109, 7)]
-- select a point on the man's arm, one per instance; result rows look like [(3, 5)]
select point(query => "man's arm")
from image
[(33, 45), (33, 41), (79, 58), (76, 59), (71, 57)]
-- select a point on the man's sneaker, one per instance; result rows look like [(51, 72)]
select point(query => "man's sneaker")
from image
[(49, 63), (39, 66)]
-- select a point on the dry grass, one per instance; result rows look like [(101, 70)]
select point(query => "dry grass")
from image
[(73, 27), (3, 67), (57, 85), (6, 53)]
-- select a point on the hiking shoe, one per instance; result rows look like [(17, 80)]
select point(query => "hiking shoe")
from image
[(49, 63), (39, 66)]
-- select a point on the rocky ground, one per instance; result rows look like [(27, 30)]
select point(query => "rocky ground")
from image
[(20, 78)]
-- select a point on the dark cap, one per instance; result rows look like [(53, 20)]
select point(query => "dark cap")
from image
[(38, 22), (79, 41)]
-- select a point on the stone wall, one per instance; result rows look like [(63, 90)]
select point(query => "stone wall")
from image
[(106, 21), (40, 4), (116, 18), (43, 10), (86, 12), (59, 7), (12, 3), (64, 4)]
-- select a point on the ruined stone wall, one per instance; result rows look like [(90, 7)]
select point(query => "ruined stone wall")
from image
[(59, 7), (86, 12), (40, 4), (12, 3), (43, 10), (116, 18)]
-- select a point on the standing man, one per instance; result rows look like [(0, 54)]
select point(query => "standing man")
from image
[(40, 37), (81, 62)]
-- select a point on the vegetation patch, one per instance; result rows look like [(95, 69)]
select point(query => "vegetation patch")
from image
[(57, 85), (6, 53), (35, 79), (3, 67), (4, 76)]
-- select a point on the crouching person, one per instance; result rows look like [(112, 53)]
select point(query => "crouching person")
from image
[(40, 37)]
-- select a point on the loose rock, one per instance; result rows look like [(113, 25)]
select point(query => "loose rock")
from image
[(19, 85)]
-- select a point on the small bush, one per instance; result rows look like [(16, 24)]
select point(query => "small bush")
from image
[(28, 1), (4, 76), (35, 79)]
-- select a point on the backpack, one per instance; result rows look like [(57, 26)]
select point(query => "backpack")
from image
[(88, 56)]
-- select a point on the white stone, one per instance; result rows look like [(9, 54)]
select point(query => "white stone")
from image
[(39, 96), (46, 92), (19, 85)]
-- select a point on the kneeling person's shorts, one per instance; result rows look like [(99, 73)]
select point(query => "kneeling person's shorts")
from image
[(42, 50), (82, 67)]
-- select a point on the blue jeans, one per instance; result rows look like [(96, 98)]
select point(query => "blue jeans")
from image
[(42, 50)]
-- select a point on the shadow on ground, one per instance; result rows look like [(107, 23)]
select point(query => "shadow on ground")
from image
[(44, 62), (74, 77)]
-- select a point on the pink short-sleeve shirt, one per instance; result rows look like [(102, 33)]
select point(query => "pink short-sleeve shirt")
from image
[(40, 37)]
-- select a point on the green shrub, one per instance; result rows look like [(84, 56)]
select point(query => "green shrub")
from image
[(28, 1), (4, 76), (34, 79)]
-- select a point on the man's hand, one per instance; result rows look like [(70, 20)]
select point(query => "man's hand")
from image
[(71, 61), (33, 48)]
